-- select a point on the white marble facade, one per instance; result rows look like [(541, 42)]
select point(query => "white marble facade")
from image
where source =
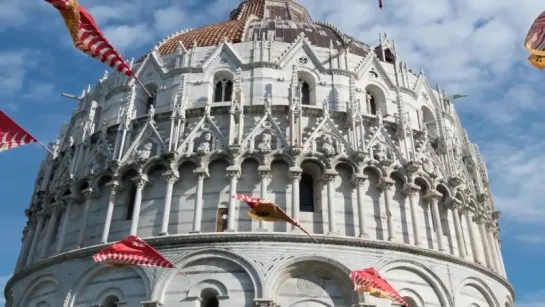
[(318, 131)]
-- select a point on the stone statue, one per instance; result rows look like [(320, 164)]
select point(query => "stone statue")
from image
[(268, 103), (144, 152), (326, 108), (151, 113), (265, 143), (327, 147), (381, 152), (428, 165), (204, 146)]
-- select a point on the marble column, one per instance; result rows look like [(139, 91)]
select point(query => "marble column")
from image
[(88, 194), (113, 187), (36, 237), (295, 176), (197, 214), (330, 176), (480, 220), (413, 192), (498, 250), (264, 175), (234, 174), (384, 186), (55, 211), (140, 183), (492, 247), (171, 178), (360, 181), (433, 197), (454, 206), (28, 235), (70, 203), (475, 247)]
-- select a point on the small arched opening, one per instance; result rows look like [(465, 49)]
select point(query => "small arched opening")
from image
[(310, 187), (151, 100), (110, 301), (209, 298), (389, 56), (223, 86), (411, 302), (307, 87), (222, 217), (429, 121), (375, 99)]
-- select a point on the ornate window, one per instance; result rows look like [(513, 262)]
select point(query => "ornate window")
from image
[(429, 121), (110, 301), (131, 196), (372, 105), (152, 89), (221, 220), (305, 92), (306, 193), (209, 298), (223, 90)]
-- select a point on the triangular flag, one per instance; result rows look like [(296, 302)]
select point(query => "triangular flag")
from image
[(12, 135), (369, 280)]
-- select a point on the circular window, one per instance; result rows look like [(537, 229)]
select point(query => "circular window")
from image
[(303, 60)]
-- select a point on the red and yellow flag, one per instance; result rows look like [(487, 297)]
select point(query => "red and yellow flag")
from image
[(12, 135), (268, 211), (88, 38), (369, 280)]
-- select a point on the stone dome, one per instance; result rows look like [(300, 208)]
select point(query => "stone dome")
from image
[(277, 20), (364, 153)]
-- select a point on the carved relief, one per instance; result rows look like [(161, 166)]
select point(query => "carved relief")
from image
[(265, 144), (429, 166), (205, 144), (382, 153), (328, 146)]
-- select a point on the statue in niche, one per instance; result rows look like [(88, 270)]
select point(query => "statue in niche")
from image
[(144, 152), (368, 98), (429, 166), (326, 108), (151, 113), (380, 152), (327, 146), (204, 146), (265, 143)]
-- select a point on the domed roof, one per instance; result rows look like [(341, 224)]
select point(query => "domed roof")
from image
[(278, 20)]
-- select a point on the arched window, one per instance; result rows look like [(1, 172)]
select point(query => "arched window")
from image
[(305, 92), (131, 195), (110, 301), (429, 121), (372, 105), (223, 90), (410, 301), (389, 56), (209, 298), (221, 220), (306, 193), (152, 89)]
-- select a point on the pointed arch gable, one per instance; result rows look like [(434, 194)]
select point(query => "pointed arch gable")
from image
[(165, 276)]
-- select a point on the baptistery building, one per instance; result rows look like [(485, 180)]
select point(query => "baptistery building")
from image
[(342, 135)]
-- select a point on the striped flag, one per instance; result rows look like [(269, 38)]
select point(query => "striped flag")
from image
[(369, 280), (132, 251), (535, 39), (89, 39), (268, 211), (12, 135)]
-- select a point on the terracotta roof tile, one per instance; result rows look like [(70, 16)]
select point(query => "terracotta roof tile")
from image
[(209, 35)]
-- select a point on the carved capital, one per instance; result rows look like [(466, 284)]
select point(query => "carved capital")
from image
[(233, 173), (330, 175), (385, 184), (413, 166), (57, 206), (454, 203), (264, 172), (433, 195), (295, 173), (359, 180), (140, 182), (88, 193), (114, 186), (264, 303), (171, 176), (483, 197), (496, 215), (456, 181), (411, 189), (201, 173)]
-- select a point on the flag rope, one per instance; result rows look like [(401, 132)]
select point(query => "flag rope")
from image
[(142, 86)]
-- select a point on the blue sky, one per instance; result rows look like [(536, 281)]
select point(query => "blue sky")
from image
[(468, 47)]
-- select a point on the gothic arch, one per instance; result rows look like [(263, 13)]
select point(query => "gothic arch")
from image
[(109, 292), (101, 177), (481, 286), (37, 282), (221, 289), (405, 292), (426, 273), (425, 179), (165, 276), (257, 157), (321, 161), (154, 162), (191, 160), (373, 168), (344, 159), (443, 187), (127, 169), (288, 159), (84, 278), (399, 175), (380, 93), (223, 72), (335, 269), (218, 156)]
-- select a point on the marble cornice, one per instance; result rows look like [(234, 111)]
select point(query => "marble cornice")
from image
[(190, 240)]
